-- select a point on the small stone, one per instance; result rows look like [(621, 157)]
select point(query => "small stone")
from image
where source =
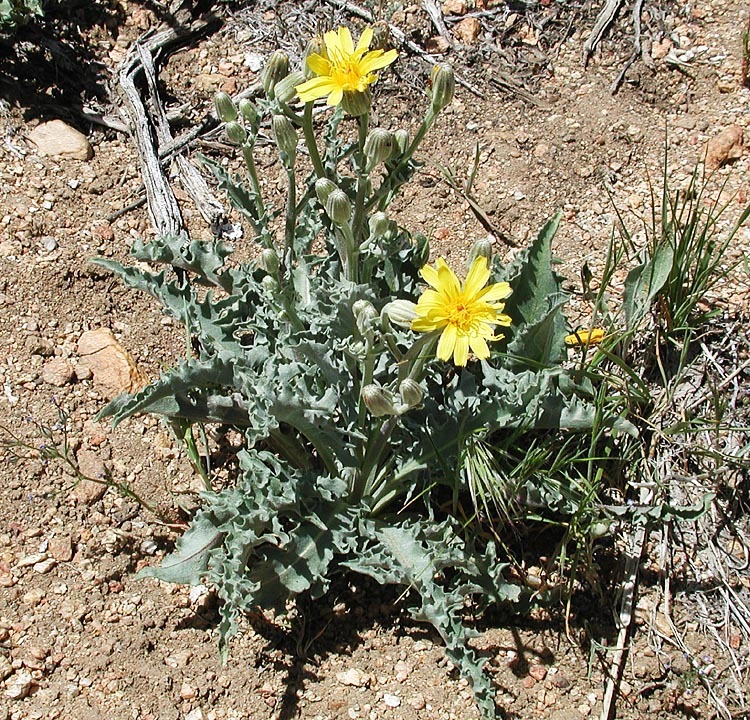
[(209, 82), (58, 372), (390, 700), (187, 691), (635, 201), (686, 122), (538, 672), (725, 146), (584, 709), (49, 244), (179, 659), (528, 682), (45, 566), (33, 597), (559, 681), (104, 233), (417, 701), (83, 372), (586, 171), (6, 668), (541, 150), (437, 45), (403, 670), (467, 30), (195, 714), (112, 366), (454, 7), (57, 139), (354, 678), (660, 49), (19, 686), (254, 61), (87, 492)]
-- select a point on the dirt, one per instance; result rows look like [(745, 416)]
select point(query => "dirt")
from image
[(80, 636)]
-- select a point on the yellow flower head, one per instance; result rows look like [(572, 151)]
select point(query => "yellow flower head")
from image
[(467, 314), (585, 337), (343, 68)]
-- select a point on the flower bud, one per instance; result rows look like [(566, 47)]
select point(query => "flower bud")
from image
[(401, 141), (410, 392), (378, 224), (338, 207), (315, 46), (249, 112), (323, 188), (365, 316), (356, 103), (269, 284), (235, 133), (276, 68), (285, 89), (481, 248), (443, 85), (286, 137), (378, 400), (269, 261), (226, 110), (401, 312), (378, 146)]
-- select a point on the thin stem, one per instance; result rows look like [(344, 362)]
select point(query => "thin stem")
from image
[(291, 212), (195, 456), (247, 154), (363, 176), (312, 145), (351, 261)]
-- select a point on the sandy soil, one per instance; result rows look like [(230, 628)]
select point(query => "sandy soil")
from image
[(80, 637)]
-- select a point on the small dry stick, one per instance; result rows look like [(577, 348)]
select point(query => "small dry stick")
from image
[(637, 50), (436, 15), (603, 21)]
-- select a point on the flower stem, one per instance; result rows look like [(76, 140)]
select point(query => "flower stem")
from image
[(291, 213), (247, 154), (363, 177), (312, 145)]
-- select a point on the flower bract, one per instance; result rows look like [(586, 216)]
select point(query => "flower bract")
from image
[(466, 313), (343, 68)]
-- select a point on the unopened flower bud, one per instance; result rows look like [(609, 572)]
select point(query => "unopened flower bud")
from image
[(378, 146), (269, 261), (481, 248), (323, 188), (338, 207), (269, 284), (378, 224), (286, 89), (285, 136), (276, 69), (365, 315), (235, 133), (401, 312), (443, 85), (410, 392), (249, 112), (401, 144), (356, 103), (226, 110), (378, 400)]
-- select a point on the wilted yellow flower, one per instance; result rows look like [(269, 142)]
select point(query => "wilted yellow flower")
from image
[(585, 337), (467, 314), (343, 68)]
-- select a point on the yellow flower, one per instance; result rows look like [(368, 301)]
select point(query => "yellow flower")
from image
[(343, 68), (467, 314), (585, 337)]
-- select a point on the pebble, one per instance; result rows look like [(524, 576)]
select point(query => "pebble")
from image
[(467, 31), (19, 686), (354, 677), (58, 139), (29, 560), (61, 548), (58, 372), (723, 147), (6, 668), (195, 714), (187, 691), (113, 368), (391, 700), (538, 672), (45, 566)]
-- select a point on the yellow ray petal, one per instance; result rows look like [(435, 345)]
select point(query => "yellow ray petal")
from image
[(447, 342), (461, 350), (364, 40), (319, 64), (477, 278)]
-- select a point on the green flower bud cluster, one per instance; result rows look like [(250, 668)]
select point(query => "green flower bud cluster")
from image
[(277, 68), (381, 401), (237, 119), (338, 207)]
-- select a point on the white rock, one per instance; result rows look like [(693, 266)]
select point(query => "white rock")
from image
[(354, 677), (18, 687), (195, 714), (391, 700), (58, 139)]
